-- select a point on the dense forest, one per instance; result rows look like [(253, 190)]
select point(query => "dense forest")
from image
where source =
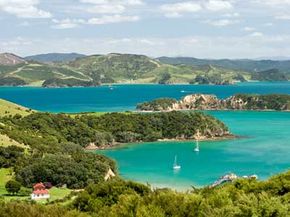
[(55, 142), (48, 132)]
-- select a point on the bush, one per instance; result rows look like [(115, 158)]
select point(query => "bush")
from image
[(13, 187)]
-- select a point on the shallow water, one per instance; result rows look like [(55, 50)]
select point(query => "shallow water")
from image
[(264, 151)]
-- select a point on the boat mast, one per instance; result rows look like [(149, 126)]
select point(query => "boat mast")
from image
[(197, 136)]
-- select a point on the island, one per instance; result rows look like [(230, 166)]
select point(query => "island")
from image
[(277, 102)]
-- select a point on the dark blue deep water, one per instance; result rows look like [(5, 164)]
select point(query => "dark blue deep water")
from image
[(122, 97)]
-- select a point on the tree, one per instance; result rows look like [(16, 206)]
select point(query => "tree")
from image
[(165, 77), (12, 187)]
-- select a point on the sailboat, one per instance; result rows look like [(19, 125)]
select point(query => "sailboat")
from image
[(197, 146), (197, 142), (111, 87), (175, 165)]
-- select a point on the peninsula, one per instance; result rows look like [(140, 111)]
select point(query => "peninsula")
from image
[(277, 102)]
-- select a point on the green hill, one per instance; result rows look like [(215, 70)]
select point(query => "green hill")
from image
[(54, 57), (34, 74), (126, 68), (239, 64), (130, 68), (8, 108)]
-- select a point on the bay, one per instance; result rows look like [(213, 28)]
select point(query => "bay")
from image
[(263, 150)]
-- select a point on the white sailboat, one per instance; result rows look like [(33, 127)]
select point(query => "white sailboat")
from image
[(175, 165), (197, 141), (197, 146)]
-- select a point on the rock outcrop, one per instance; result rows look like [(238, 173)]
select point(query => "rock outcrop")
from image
[(208, 102)]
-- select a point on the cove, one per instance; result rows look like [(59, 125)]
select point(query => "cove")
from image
[(264, 151)]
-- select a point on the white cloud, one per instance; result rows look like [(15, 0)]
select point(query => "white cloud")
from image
[(273, 2), (112, 19), (177, 9), (257, 34), (122, 2), (106, 19), (249, 29), (268, 24), (110, 6), (67, 23), (218, 5), (221, 22), (107, 9), (180, 8), (23, 8), (231, 15)]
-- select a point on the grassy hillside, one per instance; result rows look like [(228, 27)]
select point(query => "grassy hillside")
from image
[(36, 73), (243, 64), (130, 68), (9, 108)]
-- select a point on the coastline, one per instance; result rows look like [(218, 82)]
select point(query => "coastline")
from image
[(138, 83), (204, 139), (230, 110)]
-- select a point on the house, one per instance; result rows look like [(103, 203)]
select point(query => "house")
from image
[(39, 192)]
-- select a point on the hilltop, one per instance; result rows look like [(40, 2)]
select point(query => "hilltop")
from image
[(9, 59), (124, 68), (55, 57)]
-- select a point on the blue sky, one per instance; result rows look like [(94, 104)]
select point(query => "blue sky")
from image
[(198, 28)]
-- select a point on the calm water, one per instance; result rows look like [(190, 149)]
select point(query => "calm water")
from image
[(264, 150), (123, 97)]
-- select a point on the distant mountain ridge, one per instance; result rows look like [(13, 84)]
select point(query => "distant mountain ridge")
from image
[(55, 57), (239, 64), (133, 68)]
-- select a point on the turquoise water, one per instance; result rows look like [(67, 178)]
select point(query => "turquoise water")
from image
[(264, 150), (123, 97)]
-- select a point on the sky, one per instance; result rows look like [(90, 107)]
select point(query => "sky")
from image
[(199, 28)]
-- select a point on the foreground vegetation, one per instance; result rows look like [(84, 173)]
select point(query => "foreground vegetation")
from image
[(242, 198)]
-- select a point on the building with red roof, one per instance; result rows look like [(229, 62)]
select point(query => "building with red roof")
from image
[(40, 192)]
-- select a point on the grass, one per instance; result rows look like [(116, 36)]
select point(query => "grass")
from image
[(5, 176), (6, 141), (9, 108)]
